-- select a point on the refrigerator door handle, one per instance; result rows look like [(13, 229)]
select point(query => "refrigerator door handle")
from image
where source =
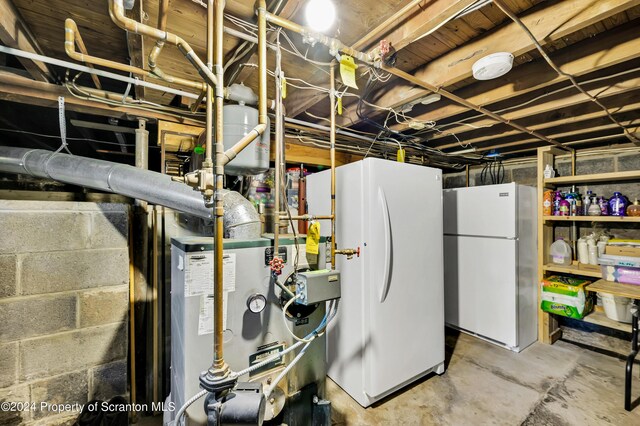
[(387, 246)]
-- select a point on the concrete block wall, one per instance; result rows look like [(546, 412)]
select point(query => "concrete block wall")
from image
[(64, 292)]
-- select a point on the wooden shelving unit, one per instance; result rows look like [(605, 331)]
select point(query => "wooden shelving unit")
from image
[(573, 269), (548, 328), (619, 219)]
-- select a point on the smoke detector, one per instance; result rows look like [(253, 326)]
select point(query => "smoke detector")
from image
[(492, 66)]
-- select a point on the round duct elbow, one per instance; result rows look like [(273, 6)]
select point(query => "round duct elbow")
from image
[(241, 219)]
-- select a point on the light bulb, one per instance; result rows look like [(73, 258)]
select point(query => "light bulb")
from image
[(320, 14)]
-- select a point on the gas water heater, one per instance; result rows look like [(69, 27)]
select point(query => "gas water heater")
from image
[(254, 328)]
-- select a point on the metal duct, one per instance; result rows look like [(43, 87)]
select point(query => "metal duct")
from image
[(106, 176), (241, 219)]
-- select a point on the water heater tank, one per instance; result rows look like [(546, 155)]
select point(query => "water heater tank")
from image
[(239, 120)]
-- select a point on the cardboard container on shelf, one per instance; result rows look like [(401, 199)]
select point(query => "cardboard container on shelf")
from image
[(628, 251), (566, 296)]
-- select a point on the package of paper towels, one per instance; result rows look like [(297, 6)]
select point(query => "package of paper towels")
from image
[(566, 296)]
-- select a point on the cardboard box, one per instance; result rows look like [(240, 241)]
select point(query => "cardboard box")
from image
[(566, 296), (629, 251)]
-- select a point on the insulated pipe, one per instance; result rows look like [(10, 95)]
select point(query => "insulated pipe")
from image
[(332, 140), (116, 11), (105, 176), (72, 36)]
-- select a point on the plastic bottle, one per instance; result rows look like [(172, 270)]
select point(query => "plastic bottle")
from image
[(587, 203), (604, 206), (549, 172), (564, 208), (594, 209), (634, 209), (556, 203), (560, 252), (617, 205), (547, 203), (573, 208)]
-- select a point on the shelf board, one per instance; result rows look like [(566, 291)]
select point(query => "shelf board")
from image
[(617, 219), (573, 269), (599, 318), (594, 178), (617, 289)]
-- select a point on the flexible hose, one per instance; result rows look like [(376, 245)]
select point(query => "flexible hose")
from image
[(186, 405)]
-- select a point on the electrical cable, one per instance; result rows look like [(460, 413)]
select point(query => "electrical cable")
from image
[(58, 137)]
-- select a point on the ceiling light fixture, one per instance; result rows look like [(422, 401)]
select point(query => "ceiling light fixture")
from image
[(320, 14), (492, 66)]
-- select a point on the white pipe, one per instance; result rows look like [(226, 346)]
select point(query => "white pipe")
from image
[(101, 73)]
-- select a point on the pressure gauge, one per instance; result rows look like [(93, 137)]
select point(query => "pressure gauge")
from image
[(256, 303)]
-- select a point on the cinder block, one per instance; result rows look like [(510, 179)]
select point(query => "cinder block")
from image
[(22, 318), (585, 166), (104, 306), (525, 175), (71, 388), (8, 275), (27, 232), (15, 394), (563, 168), (72, 270), (109, 230), (455, 181), (107, 381), (8, 364), (61, 420), (72, 351), (628, 163)]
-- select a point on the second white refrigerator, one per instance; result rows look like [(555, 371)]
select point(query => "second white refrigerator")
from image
[(389, 330)]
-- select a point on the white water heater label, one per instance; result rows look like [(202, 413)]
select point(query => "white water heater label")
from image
[(229, 270), (198, 275), (205, 319)]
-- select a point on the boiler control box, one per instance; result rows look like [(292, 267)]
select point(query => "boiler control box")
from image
[(317, 286)]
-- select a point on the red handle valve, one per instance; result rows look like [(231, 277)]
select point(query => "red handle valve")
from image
[(277, 264)]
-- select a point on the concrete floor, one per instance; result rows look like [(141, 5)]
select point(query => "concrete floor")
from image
[(557, 385)]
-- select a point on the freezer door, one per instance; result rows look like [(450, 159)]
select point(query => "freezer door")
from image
[(404, 316), (488, 211), (481, 286)]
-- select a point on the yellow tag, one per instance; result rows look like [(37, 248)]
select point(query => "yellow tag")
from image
[(284, 88), (348, 71), (313, 238), (400, 155), (340, 105)]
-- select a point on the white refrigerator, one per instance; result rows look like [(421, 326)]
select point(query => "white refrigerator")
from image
[(490, 262), (389, 330)]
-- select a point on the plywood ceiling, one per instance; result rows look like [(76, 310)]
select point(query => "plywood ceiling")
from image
[(598, 46)]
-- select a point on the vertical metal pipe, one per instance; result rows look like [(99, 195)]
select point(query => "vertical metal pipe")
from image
[(142, 145), (332, 139), (279, 151), (217, 14)]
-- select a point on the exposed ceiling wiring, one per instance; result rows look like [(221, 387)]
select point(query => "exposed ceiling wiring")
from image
[(557, 69)]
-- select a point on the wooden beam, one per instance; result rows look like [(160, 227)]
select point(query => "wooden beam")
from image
[(15, 33), (602, 90), (425, 17), (135, 45), (548, 24), (593, 54), (297, 154), (550, 120), (15, 88)]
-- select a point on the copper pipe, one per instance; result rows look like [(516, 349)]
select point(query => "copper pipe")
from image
[(116, 11), (132, 313), (332, 139), (72, 36), (215, 14), (75, 37), (302, 200), (163, 9)]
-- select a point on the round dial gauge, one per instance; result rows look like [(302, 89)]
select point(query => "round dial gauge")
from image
[(256, 303)]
